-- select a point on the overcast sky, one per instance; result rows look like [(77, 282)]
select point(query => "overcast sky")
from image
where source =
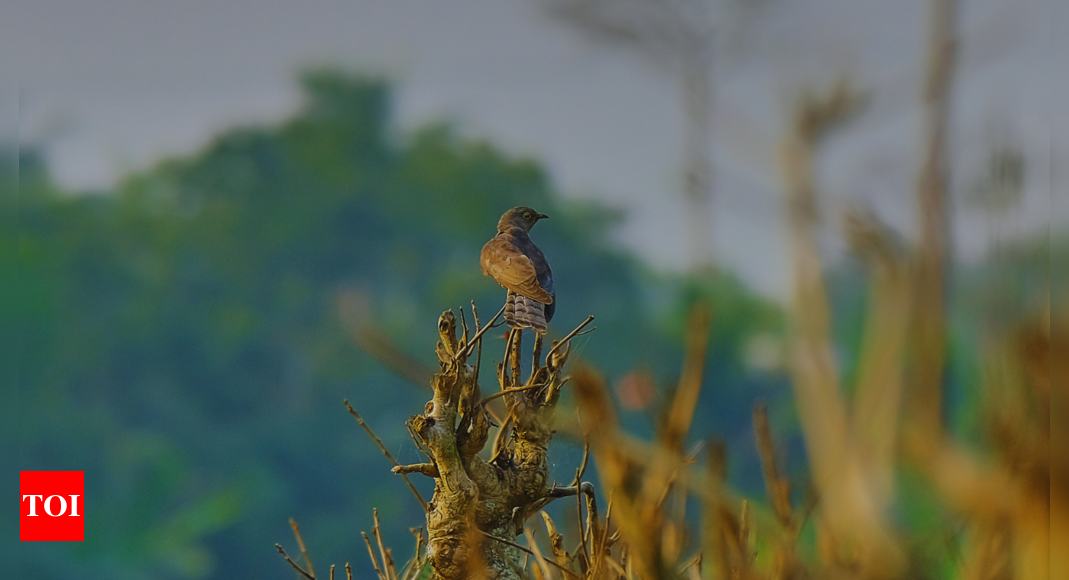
[(112, 86)]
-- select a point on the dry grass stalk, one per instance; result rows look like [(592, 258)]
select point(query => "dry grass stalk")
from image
[(643, 482), (1010, 500), (929, 314), (855, 535)]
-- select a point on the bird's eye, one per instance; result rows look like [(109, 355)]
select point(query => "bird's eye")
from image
[(526, 215)]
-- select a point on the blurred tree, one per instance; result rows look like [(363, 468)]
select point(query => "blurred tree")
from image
[(678, 36)]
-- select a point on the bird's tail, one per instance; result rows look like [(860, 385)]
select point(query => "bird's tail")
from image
[(524, 312)]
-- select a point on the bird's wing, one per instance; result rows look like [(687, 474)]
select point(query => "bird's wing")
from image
[(504, 262)]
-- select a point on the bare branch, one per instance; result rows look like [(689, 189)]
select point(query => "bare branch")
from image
[(543, 564), (387, 556), (371, 554), (516, 343), (527, 551), (294, 564), (478, 335), (582, 464), (559, 343), (500, 438), (418, 440), (507, 392), (536, 357), (300, 543), (428, 469)]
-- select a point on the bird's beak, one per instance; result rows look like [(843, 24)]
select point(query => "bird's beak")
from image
[(542, 216)]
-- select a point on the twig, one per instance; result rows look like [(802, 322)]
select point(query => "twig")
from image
[(348, 571), (479, 350), (510, 335), (506, 392), (371, 554), (386, 452), (514, 355), (570, 490), (557, 492), (504, 541), (619, 569), (556, 541), (464, 325), (578, 500), (582, 465), (418, 441), (387, 557), (558, 343), (525, 550), (497, 420), (428, 469), (537, 355), (467, 349), (579, 519), (591, 499), (475, 315), (418, 532), (553, 391), (300, 543), (598, 544), (294, 564), (539, 558), (499, 439)]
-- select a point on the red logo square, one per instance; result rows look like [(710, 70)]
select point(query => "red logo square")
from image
[(52, 505)]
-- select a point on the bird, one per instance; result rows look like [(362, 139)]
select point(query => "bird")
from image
[(516, 263)]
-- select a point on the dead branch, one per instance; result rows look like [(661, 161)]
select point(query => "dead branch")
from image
[(300, 543), (294, 564), (929, 325), (427, 469)]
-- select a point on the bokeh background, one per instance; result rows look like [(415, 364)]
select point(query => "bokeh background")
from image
[(234, 215)]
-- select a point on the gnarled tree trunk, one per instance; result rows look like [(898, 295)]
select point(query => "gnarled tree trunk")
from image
[(480, 505)]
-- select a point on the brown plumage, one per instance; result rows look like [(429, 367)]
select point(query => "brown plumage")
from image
[(512, 259)]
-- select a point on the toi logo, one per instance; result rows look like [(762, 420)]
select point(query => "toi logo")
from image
[(51, 505)]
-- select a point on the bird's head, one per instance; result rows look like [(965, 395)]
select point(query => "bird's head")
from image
[(519, 217)]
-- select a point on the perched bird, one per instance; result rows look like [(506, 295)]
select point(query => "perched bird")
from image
[(518, 265)]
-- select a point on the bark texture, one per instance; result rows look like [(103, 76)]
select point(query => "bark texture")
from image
[(480, 505)]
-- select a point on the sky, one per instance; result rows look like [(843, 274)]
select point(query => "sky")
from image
[(109, 87)]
